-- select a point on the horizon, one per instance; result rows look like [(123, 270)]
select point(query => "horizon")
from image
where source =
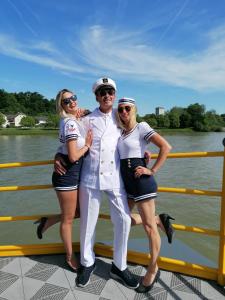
[(161, 54)]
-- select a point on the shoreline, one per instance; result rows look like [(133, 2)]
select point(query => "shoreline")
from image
[(28, 131), (54, 131)]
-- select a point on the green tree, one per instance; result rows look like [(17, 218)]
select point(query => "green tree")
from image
[(151, 120), (177, 110), (223, 118), (212, 121), (27, 121), (197, 112), (2, 119), (163, 121), (139, 118), (185, 119), (53, 121), (34, 103), (174, 119), (8, 103)]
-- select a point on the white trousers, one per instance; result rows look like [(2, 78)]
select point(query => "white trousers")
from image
[(90, 201)]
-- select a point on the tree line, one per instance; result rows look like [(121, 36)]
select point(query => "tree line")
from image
[(34, 104), (194, 116)]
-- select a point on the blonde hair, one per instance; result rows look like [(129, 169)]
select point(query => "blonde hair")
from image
[(132, 121), (59, 108)]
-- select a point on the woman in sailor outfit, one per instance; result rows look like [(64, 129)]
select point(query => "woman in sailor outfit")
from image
[(139, 181), (73, 146)]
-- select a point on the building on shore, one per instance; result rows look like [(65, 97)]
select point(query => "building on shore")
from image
[(159, 111), (13, 120)]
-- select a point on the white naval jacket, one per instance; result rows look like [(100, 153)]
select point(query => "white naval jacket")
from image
[(101, 167)]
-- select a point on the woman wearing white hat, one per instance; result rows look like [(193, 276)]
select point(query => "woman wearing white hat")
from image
[(139, 181)]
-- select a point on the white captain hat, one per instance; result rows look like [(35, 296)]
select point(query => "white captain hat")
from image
[(104, 81)]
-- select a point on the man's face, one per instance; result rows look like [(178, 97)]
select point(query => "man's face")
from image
[(106, 97)]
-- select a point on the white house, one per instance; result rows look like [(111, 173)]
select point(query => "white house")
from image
[(15, 119), (159, 111), (41, 121)]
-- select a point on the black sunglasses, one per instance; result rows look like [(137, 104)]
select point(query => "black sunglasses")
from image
[(122, 108), (67, 101), (109, 91)]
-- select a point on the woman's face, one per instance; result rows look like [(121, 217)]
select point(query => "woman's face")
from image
[(124, 111), (69, 102)]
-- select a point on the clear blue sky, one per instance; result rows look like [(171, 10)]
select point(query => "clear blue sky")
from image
[(162, 53)]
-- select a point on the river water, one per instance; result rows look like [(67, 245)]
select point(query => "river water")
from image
[(194, 173)]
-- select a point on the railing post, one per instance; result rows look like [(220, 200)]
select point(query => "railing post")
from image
[(221, 270)]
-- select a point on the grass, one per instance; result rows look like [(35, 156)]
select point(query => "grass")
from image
[(28, 131), (49, 131)]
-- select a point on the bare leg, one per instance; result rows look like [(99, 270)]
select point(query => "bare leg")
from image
[(136, 220), (159, 223), (68, 202), (52, 220), (147, 213)]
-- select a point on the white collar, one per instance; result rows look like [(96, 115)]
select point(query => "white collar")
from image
[(109, 114)]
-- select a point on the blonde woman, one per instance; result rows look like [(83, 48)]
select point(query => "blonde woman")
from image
[(73, 146), (139, 181)]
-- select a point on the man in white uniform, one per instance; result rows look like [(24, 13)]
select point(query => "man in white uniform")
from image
[(101, 172)]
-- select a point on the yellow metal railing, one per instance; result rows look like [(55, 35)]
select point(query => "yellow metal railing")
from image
[(217, 274)]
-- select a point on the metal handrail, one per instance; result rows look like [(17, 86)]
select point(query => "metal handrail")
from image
[(167, 263)]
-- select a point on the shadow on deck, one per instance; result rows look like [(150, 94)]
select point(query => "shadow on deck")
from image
[(47, 277)]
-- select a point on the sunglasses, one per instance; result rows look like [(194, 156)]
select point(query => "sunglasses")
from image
[(122, 108), (67, 101), (108, 91)]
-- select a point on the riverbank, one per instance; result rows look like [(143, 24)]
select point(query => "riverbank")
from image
[(28, 131), (49, 131)]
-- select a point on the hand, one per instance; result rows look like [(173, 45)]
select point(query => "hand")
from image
[(141, 171), (81, 112), (59, 164), (147, 157), (89, 138)]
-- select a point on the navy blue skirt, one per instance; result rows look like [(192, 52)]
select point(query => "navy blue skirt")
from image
[(141, 188), (71, 179)]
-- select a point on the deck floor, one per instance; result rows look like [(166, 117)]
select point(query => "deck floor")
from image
[(46, 277)]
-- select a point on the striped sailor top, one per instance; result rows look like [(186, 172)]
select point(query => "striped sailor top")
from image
[(69, 129), (134, 143)]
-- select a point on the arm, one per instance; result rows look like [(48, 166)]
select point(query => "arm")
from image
[(164, 149), (75, 154), (147, 157)]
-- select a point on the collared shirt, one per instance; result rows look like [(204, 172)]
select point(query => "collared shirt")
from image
[(70, 129), (101, 167), (134, 143)]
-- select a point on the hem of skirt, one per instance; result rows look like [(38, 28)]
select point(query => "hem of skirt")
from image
[(142, 197), (65, 188)]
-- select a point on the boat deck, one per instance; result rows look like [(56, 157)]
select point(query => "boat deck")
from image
[(47, 277)]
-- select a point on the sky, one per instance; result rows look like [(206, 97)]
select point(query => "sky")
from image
[(161, 53)]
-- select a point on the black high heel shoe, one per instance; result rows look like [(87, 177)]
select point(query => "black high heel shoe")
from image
[(165, 219), (42, 221), (144, 289)]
